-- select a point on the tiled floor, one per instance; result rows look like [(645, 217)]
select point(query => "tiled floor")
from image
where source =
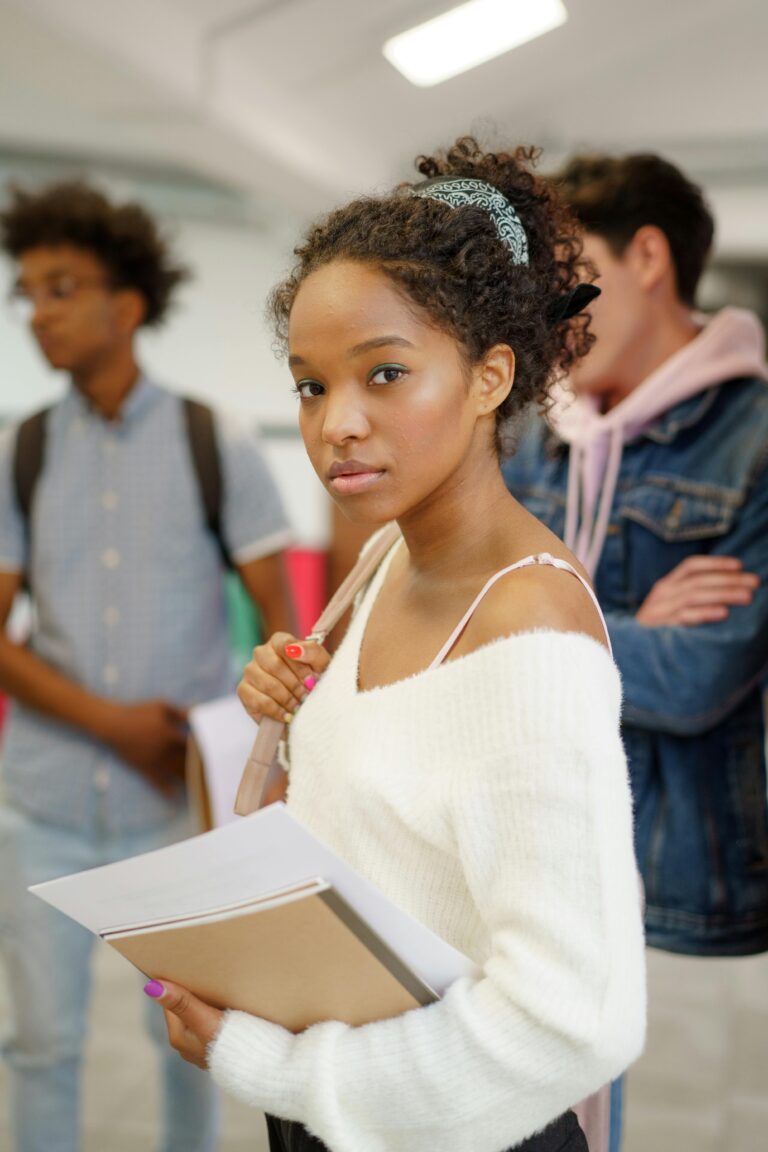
[(702, 1085), (121, 1097)]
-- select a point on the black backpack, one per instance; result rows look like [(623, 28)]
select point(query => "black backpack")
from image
[(29, 458)]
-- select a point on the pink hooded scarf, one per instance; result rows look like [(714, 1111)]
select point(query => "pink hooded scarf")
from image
[(730, 345)]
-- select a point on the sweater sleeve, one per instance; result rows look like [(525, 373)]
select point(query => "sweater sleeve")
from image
[(544, 838)]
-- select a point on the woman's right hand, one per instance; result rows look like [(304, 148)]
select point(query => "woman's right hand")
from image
[(279, 676)]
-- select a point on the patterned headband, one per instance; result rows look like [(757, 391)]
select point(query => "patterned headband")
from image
[(461, 191)]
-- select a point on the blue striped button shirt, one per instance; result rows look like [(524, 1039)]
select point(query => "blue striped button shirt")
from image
[(127, 587)]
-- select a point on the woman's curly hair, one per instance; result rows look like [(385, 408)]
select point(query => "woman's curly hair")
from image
[(451, 263), (124, 237)]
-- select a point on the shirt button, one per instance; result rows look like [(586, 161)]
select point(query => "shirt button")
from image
[(111, 674), (110, 558), (111, 616), (101, 779), (109, 500)]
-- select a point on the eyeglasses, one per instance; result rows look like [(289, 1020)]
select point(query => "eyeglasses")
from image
[(58, 291)]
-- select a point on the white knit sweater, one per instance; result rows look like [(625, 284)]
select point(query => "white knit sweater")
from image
[(489, 798)]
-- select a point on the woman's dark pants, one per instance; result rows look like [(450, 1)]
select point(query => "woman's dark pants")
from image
[(564, 1135)]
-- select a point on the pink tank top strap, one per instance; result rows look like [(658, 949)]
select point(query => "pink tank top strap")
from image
[(540, 558)]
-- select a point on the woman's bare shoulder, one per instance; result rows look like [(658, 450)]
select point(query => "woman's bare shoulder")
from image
[(528, 599)]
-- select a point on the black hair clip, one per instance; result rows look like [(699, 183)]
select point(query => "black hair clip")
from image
[(573, 302)]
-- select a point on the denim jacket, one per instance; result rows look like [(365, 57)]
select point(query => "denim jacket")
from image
[(695, 482)]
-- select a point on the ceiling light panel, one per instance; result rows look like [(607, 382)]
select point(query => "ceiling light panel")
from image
[(469, 35)]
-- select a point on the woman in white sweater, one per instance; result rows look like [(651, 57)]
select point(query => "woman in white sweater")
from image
[(468, 763)]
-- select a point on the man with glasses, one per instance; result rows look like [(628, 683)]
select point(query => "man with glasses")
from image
[(113, 540)]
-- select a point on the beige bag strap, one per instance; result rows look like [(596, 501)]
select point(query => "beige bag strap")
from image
[(271, 731)]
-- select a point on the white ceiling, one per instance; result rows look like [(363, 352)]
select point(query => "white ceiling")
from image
[(292, 100)]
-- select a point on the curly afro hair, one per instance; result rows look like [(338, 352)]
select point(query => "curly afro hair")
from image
[(123, 237), (451, 263)]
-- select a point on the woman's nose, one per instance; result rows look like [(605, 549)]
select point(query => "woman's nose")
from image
[(344, 420)]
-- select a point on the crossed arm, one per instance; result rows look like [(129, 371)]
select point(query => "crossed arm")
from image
[(699, 642)]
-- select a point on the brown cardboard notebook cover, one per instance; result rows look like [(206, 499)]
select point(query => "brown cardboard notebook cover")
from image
[(297, 959)]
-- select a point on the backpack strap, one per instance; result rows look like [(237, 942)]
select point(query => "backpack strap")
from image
[(206, 462), (270, 731), (28, 460)]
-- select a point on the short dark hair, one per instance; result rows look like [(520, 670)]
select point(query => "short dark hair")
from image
[(614, 196), (453, 265), (124, 237)]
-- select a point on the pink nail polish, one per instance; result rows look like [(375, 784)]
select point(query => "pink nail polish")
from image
[(309, 682), (154, 989)]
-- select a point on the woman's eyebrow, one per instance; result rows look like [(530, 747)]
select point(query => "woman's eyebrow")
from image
[(376, 342), (379, 342)]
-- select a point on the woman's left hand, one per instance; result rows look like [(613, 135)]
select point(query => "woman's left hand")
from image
[(192, 1024)]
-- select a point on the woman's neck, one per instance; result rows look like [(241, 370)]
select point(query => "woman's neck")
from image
[(462, 530)]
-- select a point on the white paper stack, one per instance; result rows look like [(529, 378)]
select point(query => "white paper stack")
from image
[(246, 861)]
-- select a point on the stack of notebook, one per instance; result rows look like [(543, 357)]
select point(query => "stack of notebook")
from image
[(260, 916)]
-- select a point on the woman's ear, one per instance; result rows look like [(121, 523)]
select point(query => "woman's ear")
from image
[(494, 377)]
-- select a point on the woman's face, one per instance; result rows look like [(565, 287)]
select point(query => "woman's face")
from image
[(389, 411)]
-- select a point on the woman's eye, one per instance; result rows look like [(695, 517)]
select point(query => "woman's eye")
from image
[(306, 389), (387, 374)]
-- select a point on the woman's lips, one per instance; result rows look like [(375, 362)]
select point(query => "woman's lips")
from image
[(351, 483)]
